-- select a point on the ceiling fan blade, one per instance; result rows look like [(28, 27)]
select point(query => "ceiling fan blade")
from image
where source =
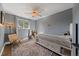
[(28, 12)]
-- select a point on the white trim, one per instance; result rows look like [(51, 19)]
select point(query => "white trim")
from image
[(25, 39), (2, 50), (7, 43)]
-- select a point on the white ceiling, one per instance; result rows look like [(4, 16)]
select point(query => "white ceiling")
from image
[(46, 9)]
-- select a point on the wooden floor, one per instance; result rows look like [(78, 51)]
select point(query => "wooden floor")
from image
[(7, 50)]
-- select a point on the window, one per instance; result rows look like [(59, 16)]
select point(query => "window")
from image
[(23, 23)]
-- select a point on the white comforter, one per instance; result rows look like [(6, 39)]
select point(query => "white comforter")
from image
[(62, 40)]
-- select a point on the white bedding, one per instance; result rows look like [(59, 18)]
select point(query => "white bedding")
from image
[(59, 39)]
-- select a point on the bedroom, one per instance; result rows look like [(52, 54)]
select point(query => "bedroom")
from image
[(50, 30)]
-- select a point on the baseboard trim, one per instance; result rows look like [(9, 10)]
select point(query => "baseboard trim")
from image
[(2, 50), (25, 38)]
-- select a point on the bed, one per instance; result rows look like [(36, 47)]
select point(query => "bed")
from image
[(56, 43)]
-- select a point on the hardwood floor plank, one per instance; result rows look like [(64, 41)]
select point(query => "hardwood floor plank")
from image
[(7, 50)]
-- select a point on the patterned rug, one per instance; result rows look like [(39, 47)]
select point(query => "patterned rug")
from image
[(30, 48)]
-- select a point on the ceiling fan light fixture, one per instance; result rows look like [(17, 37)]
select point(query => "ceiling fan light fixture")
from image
[(34, 14)]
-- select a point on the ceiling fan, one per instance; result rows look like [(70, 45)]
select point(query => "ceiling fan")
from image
[(35, 12)]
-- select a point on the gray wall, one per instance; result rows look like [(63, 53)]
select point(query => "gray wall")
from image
[(9, 18), (75, 19), (1, 33), (32, 24), (1, 38), (56, 24), (76, 13)]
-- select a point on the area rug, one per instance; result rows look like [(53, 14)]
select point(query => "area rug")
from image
[(30, 48)]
